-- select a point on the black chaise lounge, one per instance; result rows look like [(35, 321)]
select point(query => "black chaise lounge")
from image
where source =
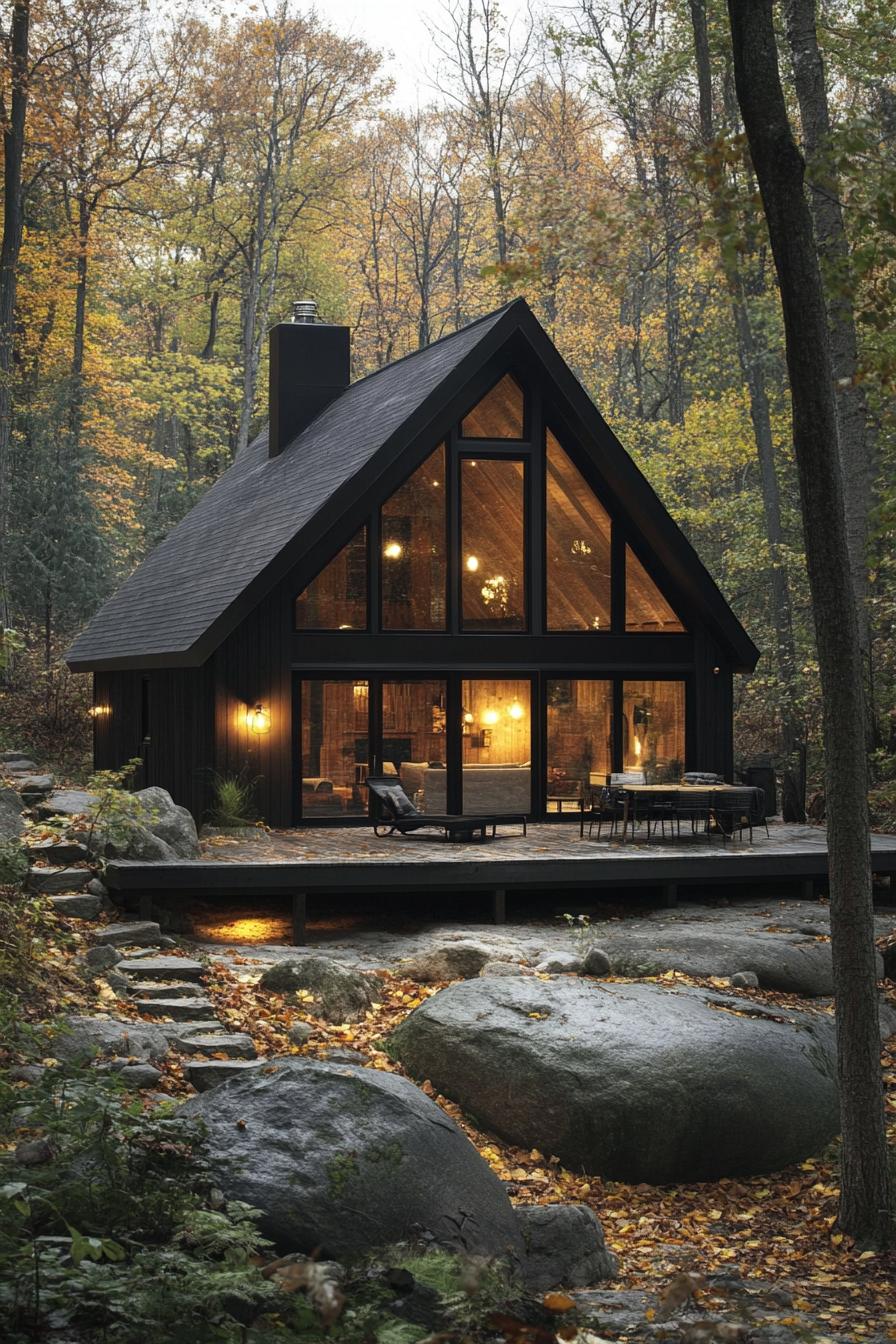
[(398, 813)]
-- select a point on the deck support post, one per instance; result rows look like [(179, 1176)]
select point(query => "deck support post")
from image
[(144, 905), (670, 895), (299, 915), (808, 885), (499, 906)]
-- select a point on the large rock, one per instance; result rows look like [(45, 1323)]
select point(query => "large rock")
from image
[(12, 823), (137, 843), (632, 1082), (340, 994), (172, 824), (454, 961), (793, 963), (83, 1037), (344, 1159), (565, 1247)]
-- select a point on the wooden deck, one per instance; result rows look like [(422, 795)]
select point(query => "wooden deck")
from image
[(343, 862)]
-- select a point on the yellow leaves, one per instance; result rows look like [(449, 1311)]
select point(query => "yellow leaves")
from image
[(558, 1302)]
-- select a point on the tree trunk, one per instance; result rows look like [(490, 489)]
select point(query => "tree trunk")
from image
[(866, 1197), (77, 395), (750, 359), (833, 248), (13, 218)]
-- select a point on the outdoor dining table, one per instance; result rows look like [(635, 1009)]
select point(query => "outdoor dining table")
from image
[(632, 792)]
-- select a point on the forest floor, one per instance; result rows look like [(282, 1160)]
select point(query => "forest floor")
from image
[(779, 1231)]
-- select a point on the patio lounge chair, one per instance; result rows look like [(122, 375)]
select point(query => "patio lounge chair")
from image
[(398, 813)]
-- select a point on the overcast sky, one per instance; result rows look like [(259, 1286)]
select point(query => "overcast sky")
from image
[(395, 26)]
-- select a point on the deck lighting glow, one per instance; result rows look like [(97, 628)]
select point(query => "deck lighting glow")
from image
[(258, 720)]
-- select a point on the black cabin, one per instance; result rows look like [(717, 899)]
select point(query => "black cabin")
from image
[(450, 569)]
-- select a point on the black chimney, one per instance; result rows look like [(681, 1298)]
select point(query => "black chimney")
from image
[(309, 368)]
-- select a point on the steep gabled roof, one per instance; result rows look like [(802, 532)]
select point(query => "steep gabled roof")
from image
[(190, 592)]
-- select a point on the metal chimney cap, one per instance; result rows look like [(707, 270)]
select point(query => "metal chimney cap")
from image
[(304, 310)]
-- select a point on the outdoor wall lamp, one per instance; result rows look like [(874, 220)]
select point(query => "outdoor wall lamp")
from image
[(258, 720), (99, 711)]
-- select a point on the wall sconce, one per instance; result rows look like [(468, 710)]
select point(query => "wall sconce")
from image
[(516, 710), (393, 550), (490, 716), (100, 711), (258, 720)]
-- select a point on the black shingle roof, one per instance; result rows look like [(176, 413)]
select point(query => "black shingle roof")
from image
[(240, 526), (196, 586)]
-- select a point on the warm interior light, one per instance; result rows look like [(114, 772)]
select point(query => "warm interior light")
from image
[(393, 550), (258, 720), (490, 716), (516, 710), (468, 717), (637, 748), (472, 563)]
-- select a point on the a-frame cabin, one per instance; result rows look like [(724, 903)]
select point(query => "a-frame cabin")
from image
[(450, 569)]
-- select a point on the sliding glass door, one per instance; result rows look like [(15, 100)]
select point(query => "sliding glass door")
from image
[(484, 743)]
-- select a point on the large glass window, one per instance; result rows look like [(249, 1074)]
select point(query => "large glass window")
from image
[(335, 747), (414, 550), (499, 415), (497, 745), (492, 560), (653, 729), (580, 738), (578, 548), (645, 606), (337, 598), (415, 732)]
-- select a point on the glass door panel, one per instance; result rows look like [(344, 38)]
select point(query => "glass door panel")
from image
[(415, 740), (653, 729), (579, 738), (335, 747), (497, 745)]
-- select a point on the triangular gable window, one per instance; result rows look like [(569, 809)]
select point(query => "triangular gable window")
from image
[(578, 548), (499, 415), (645, 607), (337, 598)]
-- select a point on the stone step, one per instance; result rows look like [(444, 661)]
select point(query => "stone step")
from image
[(192, 1027), (160, 968), (134, 933), (208, 1073), (182, 1010), (57, 852), (235, 1044), (77, 905), (51, 880), (166, 989)]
